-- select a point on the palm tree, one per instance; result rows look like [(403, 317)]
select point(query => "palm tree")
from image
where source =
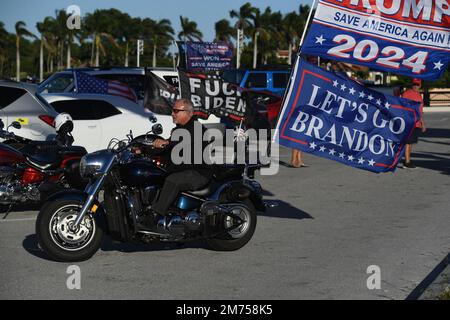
[(46, 29), (303, 16), (129, 32), (189, 30), (3, 45), (224, 31), (61, 33), (21, 31), (291, 30), (162, 31), (99, 25), (260, 28), (243, 17)]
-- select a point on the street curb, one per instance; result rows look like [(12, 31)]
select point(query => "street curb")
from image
[(436, 109), (435, 284)]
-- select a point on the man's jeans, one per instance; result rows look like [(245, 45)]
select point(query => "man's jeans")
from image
[(189, 180)]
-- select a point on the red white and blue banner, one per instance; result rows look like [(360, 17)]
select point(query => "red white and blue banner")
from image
[(407, 37), (208, 56), (334, 117)]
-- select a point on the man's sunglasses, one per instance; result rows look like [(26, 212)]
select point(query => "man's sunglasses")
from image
[(176, 111)]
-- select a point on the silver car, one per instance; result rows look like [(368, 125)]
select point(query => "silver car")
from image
[(20, 102)]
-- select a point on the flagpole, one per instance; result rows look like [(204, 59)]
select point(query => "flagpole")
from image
[(280, 115), (307, 24)]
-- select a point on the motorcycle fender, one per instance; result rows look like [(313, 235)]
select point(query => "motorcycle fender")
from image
[(257, 201), (250, 194), (69, 195)]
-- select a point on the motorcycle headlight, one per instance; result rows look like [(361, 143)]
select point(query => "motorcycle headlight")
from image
[(90, 165)]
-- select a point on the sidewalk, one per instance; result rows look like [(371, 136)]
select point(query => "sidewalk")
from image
[(436, 109)]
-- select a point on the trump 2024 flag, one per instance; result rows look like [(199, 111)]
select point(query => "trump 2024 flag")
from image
[(407, 37), (334, 117)]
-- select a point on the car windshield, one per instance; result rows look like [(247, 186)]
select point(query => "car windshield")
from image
[(233, 76), (57, 84)]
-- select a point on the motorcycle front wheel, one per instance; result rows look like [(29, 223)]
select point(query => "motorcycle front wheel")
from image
[(58, 240)]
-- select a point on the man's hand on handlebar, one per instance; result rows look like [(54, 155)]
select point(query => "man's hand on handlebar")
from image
[(136, 150), (160, 143)]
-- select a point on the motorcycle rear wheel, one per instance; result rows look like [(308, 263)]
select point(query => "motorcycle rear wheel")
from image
[(237, 238), (56, 238)]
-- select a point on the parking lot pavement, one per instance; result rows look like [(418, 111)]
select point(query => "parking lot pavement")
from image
[(333, 223)]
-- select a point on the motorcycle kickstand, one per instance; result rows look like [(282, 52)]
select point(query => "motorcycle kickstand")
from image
[(8, 212)]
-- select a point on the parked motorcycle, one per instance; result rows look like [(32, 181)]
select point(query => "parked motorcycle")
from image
[(31, 171), (71, 224)]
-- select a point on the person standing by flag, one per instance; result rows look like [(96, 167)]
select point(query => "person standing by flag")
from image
[(414, 94), (296, 159)]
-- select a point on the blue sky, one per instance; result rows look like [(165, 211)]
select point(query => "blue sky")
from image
[(204, 12)]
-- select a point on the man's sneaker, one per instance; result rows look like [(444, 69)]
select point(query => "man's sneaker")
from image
[(409, 165)]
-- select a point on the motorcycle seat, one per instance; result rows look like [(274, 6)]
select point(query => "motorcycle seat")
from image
[(206, 191), (45, 161)]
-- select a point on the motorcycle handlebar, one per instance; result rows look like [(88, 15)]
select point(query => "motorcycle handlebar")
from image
[(7, 135)]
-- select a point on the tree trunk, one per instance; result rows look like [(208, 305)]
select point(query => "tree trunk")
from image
[(69, 55), (2, 62), (255, 51), (97, 51), (41, 61), (239, 47), (126, 55), (62, 55), (93, 49), (290, 46), (57, 57), (18, 59), (154, 55)]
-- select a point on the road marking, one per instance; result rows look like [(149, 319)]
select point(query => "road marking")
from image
[(18, 220)]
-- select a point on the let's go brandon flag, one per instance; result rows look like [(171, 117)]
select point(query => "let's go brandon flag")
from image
[(407, 37), (334, 117)]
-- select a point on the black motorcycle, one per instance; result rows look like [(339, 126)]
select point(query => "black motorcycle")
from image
[(71, 224)]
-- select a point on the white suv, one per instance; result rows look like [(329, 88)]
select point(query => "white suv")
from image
[(99, 118)]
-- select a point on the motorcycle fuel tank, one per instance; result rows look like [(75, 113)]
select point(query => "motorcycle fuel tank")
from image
[(9, 155), (141, 174)]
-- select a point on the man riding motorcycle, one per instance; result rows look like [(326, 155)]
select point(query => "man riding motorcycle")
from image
[(188, 176)]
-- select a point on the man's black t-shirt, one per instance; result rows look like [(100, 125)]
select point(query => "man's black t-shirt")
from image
[(196, 136)]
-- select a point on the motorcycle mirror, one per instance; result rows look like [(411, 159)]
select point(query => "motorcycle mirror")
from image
[(153, 119), (157, 129), (16, 125)]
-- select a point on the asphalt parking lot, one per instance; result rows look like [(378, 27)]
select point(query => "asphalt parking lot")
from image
[(333, 223)]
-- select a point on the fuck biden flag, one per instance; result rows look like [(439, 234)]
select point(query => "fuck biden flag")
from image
[(334, 117)]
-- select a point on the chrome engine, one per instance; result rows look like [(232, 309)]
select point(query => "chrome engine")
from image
[(177, 226), (12, 191)]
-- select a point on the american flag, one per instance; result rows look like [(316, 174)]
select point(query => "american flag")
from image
[(85, 83)]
